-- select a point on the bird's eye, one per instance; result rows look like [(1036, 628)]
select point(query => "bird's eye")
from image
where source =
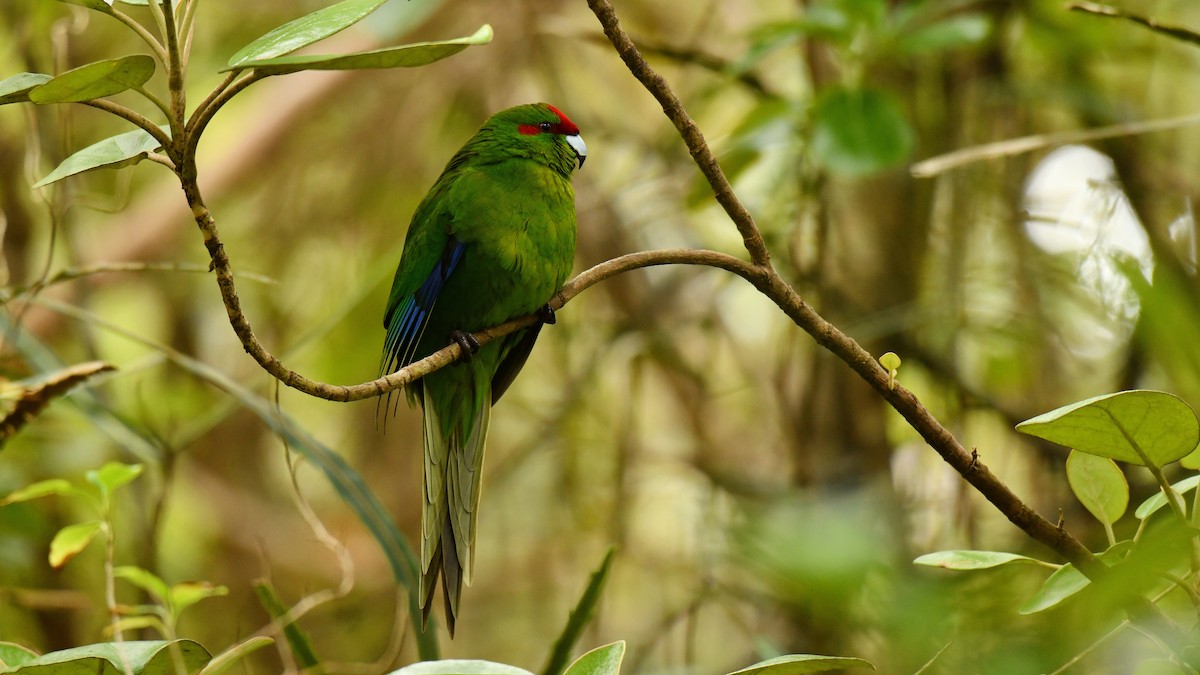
[(544, 126)]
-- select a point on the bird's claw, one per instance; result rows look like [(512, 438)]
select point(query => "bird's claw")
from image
[(466, 342), (546, 315)]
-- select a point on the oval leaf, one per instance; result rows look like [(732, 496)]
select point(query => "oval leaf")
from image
[(860, 131), (604, 660), (146, 657), (1099, 485), (460, 667), (304, 31), (16, 89), (1158, 500), (403, 56), (70, 541), (798, 664), (1130, 426), (972, 560), (110, 153), (95, 80)]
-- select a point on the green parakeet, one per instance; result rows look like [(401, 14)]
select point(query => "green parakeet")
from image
[(493, 239)]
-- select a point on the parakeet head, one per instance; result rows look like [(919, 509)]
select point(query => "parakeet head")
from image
[(538, 131)]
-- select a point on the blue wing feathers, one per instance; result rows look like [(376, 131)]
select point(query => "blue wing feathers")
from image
[(407, 322)]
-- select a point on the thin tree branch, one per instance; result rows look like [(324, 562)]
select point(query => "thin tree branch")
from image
[(147, 37), (691, 134), (1098, 9)]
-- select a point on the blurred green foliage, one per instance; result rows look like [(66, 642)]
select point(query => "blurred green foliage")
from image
[(763, 500)]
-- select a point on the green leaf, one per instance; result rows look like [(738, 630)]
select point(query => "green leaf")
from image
[(13, 655), (187, 593), (113, 475), (147, 657), (604, 660), (1099, 485), (16, 89), (145, 580), (1137, 427), (306, 30), (1158, 500), (403, 56), (221, 662), (297, 638), (579, 618), (798, 664), (70, 541), (1192, 460), (45, 488), (460, 667), (972, 560), (1067, 581), (95, 80), (857, 132), (111, 153)]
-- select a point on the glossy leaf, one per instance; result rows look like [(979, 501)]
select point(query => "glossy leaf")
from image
[(799, 664), (972, 560), (1099, 485), (146, 657), (95, 80), (460, 667), (857, 132), (111, 153), (1158, 500), (16, 89), (1130, 426), (403, 56), (70, 540), (304, 31), (604, 660)]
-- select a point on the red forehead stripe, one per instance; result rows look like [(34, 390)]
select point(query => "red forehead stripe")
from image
[(563, 126), (566, 125)]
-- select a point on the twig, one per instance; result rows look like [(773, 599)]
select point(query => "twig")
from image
[(691, 134), (1114, 13)]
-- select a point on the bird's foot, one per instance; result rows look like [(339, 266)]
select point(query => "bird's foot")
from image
[(466, 342), (546, 314)]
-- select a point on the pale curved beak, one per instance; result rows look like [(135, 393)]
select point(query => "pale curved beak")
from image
[(580, 148)]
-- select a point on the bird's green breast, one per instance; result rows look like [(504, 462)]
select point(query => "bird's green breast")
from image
[(517, 220)]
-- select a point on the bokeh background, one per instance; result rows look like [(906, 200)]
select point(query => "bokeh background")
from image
[(762, 499)]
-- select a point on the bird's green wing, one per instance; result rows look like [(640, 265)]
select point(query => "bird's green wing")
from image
[(430, 256)]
